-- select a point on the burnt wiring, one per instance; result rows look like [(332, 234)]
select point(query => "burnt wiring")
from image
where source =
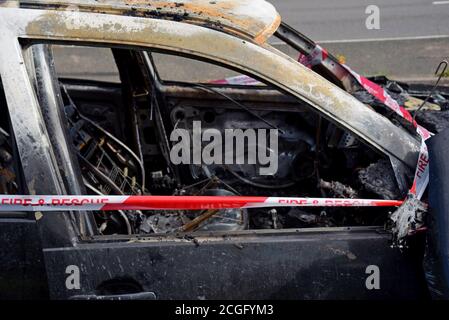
[(440, 75), (110, 136), (4, 133), (258, 185), (316, 163), (101, 175), (121, 212), (207, 88), (208, 182)]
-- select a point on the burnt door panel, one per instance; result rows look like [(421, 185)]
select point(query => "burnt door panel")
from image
[(288, 265), (23, 274)]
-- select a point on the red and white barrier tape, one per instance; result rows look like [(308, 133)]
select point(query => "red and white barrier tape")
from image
[(421, 179), (106, 203)]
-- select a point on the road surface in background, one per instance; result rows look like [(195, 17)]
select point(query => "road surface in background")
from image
[(336, 20), (412, 40)]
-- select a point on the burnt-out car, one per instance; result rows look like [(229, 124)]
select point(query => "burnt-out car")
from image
[(78, 136)]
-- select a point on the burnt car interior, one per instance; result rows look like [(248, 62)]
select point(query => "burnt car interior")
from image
[(120, 139)]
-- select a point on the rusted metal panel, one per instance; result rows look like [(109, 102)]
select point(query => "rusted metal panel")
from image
[(253, 19)]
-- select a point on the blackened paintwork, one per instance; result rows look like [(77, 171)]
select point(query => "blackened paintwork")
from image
[(313, 264)]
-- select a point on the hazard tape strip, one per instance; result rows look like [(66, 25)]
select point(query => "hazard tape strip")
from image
[(421, 180), (109, 203)]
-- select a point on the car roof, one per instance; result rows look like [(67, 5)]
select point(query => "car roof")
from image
[(255, 20)]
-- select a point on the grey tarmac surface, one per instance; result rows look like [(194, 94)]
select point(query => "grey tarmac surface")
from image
[(412, 40)]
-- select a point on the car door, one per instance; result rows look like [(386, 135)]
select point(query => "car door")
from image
[(81, 263)]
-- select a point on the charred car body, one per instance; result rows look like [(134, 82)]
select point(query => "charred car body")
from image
[(73, 136)]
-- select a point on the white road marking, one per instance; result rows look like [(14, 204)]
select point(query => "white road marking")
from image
[(440, 36), (440, 2)]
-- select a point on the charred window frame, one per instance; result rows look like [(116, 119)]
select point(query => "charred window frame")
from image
[(40, 69), (129, 49)]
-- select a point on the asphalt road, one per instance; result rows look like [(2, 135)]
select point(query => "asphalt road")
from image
[(412, 40), (413, 36), (336, 20)]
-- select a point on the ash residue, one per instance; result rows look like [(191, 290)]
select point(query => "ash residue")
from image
[(435, 121), (379, 178)]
